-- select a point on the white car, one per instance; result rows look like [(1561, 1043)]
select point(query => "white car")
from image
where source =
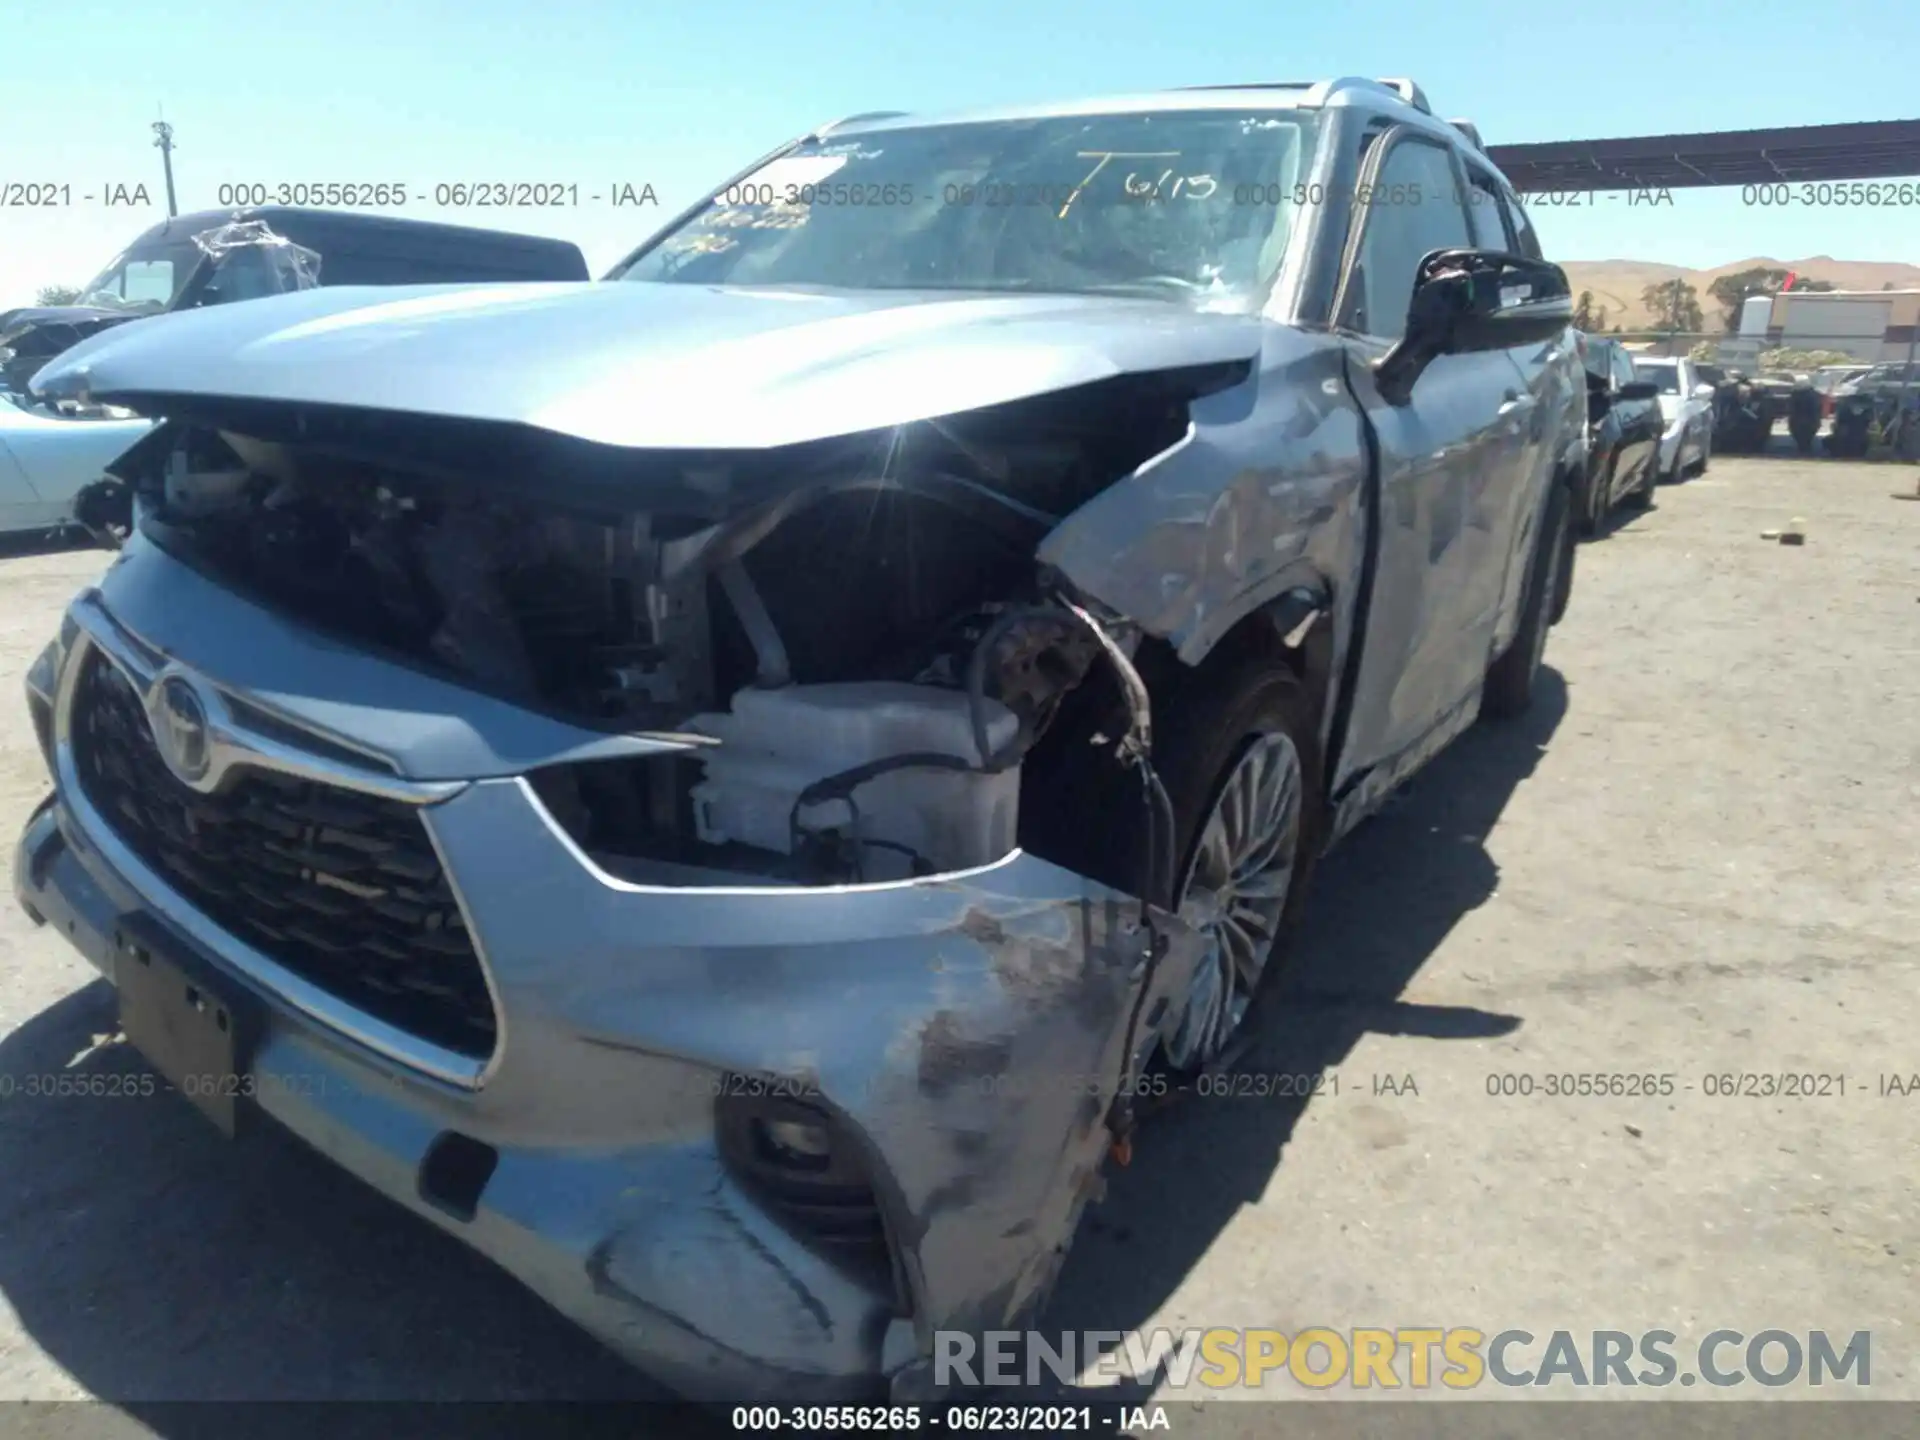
[(1686, 408), (46, 459)]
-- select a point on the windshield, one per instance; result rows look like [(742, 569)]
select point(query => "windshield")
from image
[(1188, 205), (1665, 377), (147, 278)]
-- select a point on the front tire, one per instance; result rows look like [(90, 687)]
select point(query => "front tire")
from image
[(1242, 770), (1597, 502), (1511, 679)]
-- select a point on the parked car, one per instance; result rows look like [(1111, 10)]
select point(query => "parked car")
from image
[(1686, 405), (719, 787), (217, 256), (1624, 425), (1747, 408), (47, 459), (1878, 407), (1828, 381), (1882, 384)]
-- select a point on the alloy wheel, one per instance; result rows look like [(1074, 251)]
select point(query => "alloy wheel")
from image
[(1235, 894)]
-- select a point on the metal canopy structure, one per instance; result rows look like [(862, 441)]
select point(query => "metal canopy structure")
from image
[(1874, 150)]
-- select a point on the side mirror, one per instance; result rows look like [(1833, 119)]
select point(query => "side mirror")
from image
[(1639, 390), (1471, 301)]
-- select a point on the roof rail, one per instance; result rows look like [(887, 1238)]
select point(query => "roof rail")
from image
[(1409, 92), (1260, 85), (864, 115), (1319, 91), (1471, 131)]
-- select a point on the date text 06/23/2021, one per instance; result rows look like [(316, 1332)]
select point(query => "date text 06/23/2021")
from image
[(959, 1419)]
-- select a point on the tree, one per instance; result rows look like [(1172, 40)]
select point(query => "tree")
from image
[(58, 295), (1675, 305), (1600, 319), (1703, 353), (1732, 290), (1583, 311)]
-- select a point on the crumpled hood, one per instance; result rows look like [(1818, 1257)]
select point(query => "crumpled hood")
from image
[(653, 365), (61, 325), (34, 334), (12, 322)]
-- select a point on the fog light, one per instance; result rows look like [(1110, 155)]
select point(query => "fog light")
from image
[(801, 1162), (797, 1143)]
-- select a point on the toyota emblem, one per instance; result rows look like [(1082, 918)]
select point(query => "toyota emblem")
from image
[(179, 721)]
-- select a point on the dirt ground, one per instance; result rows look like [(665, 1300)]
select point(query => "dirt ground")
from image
[(1695, 859)]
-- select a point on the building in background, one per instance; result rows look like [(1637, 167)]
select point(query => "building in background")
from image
[(1870, 325), (1741, 350)]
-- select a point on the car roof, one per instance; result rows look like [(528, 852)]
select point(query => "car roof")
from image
[(297, 221)]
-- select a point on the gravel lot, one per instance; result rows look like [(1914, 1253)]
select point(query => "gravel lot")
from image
[(1695, 859)]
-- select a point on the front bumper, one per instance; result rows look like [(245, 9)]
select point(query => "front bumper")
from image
[(958, 1029), (646, 1245)]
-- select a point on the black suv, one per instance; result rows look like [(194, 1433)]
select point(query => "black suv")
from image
[(1624, 426), (212, 257)]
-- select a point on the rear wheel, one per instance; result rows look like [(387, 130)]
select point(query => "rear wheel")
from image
[(1510, 679), (1642, 496)]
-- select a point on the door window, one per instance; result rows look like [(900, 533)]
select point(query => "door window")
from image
[(148, 282), (1416, 209), (1483, 209), (1525, 240)]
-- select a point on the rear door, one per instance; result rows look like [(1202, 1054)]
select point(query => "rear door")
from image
[(1554, 385), (1449, 464)]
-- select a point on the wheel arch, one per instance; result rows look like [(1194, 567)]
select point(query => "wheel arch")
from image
[(1292, 624)]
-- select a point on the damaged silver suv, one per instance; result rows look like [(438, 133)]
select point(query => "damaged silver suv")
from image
[(716, 786)]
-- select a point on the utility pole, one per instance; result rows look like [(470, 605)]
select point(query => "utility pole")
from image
[(163, 142)]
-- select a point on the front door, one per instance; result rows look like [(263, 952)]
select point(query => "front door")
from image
[(1450, 463)]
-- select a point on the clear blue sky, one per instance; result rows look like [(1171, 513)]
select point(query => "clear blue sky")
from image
[(594, 92)]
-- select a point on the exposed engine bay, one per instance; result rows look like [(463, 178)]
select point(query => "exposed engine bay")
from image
[(852, 644)]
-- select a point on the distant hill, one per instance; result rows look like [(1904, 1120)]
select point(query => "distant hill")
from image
[(1617, 284)]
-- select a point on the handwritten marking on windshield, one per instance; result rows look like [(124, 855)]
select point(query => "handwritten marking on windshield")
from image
[(1104, 156), (1151, 189)]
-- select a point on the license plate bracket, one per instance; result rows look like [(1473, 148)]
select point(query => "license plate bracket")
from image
[(183, 1021)]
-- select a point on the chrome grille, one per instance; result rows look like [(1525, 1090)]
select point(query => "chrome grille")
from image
[(344, 889)]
